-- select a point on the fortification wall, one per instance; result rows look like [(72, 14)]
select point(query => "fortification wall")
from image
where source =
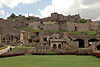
[(34, 25), (70, 26), (94, 25), (54, 27), (82, 26)]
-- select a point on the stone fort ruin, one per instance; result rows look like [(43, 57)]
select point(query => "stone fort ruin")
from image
[(56, 33)]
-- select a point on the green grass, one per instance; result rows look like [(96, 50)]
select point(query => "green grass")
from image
[(61, 31), (23, 47), (49, 31), (89, 33), (3, 47), (29, 29), (50, 61)]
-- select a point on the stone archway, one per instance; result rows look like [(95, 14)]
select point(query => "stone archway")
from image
[(54, 46), (80, 42), (44, 39), (98, 47), (92, 40), (59, 46), (30, 40)]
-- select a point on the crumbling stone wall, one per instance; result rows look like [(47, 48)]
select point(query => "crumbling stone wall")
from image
[(82, 26)]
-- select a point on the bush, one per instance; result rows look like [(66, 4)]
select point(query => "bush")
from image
[(98, 55), (29, 29), (50, 53), (38, 53), (82, 53), (89, 33), (11, 54), (93, 54), (66, 53)]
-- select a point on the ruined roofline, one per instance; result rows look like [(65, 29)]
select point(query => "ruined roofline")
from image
[(43, 18)]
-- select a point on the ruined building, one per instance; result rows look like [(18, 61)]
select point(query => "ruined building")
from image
[(55, 33)]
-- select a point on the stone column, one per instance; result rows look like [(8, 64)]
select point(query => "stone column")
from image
[(0, 38), (86, 43)]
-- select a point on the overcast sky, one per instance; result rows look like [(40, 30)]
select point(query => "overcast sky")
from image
[(89, 9)]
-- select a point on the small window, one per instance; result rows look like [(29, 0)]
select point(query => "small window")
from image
[(98, 47), (30, 40), (44, 39), (4, 38), (59, 46), (54, 46), (44, 44)]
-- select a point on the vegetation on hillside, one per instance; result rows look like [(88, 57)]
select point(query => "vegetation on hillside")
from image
[(90, 33), (13, 16), (83, 21), (29, 29), (49, 31), (61, 31)]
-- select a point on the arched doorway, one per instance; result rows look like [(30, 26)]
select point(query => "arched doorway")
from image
[(75, 28), (30, 40), (92, 40), (59, 46), (54, 46), (98, 47), (44, 39), (80, 42)]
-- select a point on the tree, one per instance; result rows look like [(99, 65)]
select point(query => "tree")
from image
[(12, 16)]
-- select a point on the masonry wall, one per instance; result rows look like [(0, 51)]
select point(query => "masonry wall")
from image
[(34, 25), (79, 26), (83, 26), (0, 38), (70, 26), (63, 26), (50, 26), (94, 25)]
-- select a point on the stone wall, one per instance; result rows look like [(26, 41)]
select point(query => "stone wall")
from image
[(71, 26), (50, 26), (83, 26)]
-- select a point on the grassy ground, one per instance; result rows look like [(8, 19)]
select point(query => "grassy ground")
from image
[(50, 61), (89, 33)]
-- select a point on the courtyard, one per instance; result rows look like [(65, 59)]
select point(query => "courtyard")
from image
[(50, 61)]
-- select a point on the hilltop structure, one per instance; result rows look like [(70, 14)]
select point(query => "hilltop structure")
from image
[(56, 33)]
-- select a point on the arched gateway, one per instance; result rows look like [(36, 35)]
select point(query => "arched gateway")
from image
[(80, 42)]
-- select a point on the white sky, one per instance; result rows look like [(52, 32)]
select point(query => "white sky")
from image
[(89, 9)]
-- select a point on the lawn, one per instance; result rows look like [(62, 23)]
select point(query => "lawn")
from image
[(50, 61)]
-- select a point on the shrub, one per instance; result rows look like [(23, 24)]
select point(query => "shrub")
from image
[(82, 53), (38, 53), (29, 29), (11, 54), (83, 21), (89, 33), (93, 54), (50, 53), (98, 55), (66, 53)]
